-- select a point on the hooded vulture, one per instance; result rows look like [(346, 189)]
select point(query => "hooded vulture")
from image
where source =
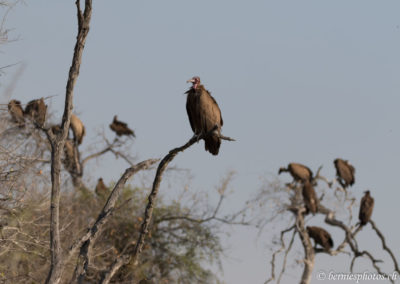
[(101, 188), (299, 172), (36, 110), (16, 112), (77, 128), (121, 128), (345, 172), (366, 207), (310, 197), (204, 115), (320, 237)]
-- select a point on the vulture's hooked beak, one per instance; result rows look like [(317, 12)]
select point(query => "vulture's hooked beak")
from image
[(190, 81)]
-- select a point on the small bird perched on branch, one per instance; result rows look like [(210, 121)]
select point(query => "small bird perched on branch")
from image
[(77, 128), (366, 208), (101, 189), (320, 237), (298, 171), (16, 112), (36, 110), (345, 172), (204, 115), (121, 128)]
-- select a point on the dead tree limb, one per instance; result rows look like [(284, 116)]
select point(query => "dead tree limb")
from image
[(57, 143), (282, 248), (132, 251), (85, 242), (385, 247)]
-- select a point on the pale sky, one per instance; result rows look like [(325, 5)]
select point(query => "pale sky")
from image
[(304, 81)]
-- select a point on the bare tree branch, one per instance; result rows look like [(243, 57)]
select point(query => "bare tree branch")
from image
[(132, 251), (282, 248), (385, 247), (57, 144), (85, 242)]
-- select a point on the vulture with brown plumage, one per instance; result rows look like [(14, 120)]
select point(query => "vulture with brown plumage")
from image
[(121, 128), (310, 197), (101, 189), (345, 172), (36, 110), (320, 237), (77, 128), (16, 112), (299, 172), (366, 208), (204, 115)]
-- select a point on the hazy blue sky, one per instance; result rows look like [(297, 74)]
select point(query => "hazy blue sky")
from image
[(304, 81)]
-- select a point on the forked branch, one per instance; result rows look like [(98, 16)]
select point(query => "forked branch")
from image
[(132, 251)]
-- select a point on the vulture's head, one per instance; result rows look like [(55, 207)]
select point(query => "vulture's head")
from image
[(13, 103), (367, 192), (282, 169), (195, 81), (115, 118)]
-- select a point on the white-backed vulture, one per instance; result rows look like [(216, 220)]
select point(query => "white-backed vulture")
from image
[(320, 237), (101, 189), (345, 172), (310, 197), (77, 128), (298, 171), (16, 112), (204, 115), (36, 110), (121, 128), (366, 208)]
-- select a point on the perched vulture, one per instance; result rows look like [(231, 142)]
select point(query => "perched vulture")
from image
[(320, 237), (310, 197), (204, 115), (101, 188), (36, 110), (69, 155), (77, 128), (121, 128), (345, 172), (366, 207), (16, 112), (299, 172)]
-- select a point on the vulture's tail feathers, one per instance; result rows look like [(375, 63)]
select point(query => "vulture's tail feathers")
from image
[(212, 144)]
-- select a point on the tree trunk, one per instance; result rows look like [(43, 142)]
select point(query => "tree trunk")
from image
[(54, 275)]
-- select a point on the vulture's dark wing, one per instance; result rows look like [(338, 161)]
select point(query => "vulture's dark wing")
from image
[(190, 103), (327, 239), (209, 111), (310, 197), (121, 123), (366, 207), (219, 111)]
